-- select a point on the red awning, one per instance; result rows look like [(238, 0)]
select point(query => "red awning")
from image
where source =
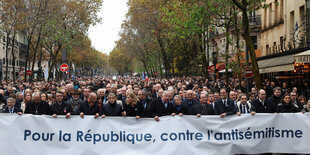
[(219, 66)]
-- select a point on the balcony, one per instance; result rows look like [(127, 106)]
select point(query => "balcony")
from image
[(255, 20), (23, 47)]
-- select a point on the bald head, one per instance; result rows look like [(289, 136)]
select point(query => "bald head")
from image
[(92, 98)]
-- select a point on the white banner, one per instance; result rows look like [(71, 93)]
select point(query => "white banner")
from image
[(36, 135)]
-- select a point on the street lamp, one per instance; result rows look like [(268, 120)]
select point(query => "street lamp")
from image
[(214, 56)]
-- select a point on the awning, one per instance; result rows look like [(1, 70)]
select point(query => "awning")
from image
[(277, 64), (303, 57), (219, 66)]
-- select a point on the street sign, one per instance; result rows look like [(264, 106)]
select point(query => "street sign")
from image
[(29, 72), (64, 67), (248, 73)]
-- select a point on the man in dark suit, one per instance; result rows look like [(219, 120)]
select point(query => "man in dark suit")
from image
[(244, 107), (60, 107), (204, 108), (37, 106), (146, 102), (10, 108), (90, 107), (112, 108), (224, 106), (189, 103), (161, 107), (263, 105)]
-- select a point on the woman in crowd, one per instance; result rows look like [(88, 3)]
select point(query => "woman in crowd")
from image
[(178, 109), (286, 105), (133, 107), (302, 99), (27, 99), (307, 107), (44, 97)]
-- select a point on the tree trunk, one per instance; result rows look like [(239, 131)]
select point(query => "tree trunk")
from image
[(238, 46), (248, 40), (7, 55), (13, 56), (226, 51)]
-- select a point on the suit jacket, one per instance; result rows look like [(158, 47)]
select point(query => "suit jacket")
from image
[(87, 109), (137, 110), (179, 109), (189, 105), (204, 109), (111, 109), (268, 107), (147, 103), (248, 109), (62, 109), (220, 107), (15, 110), (37, 108), (158, 108)]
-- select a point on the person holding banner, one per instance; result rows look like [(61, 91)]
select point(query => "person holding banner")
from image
[(203, 108), (37, 106), (60, 107), (161, 106), (224, 106), (286, 105), (262, 104), (244, 107), (90, 106), (146, 102), (133, 107), (111, 108), (178, 108), (10, 108)]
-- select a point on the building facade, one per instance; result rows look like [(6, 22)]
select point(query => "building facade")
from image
[(283, 35)]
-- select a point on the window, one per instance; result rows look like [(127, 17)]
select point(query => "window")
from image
[(267, 50), (254, 40), (281, 44)]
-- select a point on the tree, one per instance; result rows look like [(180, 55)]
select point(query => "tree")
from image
[(246, 6)]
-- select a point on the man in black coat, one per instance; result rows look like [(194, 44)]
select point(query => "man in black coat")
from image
[(204, 108), (111, 108), (10, 108), (161, 106), (60, 107), (224, 106), (276, 97), (37, 106), (90, 107), (146, 102), (263, 105), (189, 103)]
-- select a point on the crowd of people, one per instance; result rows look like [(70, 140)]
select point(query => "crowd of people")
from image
[(151, 98)]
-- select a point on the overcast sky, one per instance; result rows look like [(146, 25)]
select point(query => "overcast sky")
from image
[(103, 36)]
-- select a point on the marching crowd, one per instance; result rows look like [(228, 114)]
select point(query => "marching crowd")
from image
[(152, 98)]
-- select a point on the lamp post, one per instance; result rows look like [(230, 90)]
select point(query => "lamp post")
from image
[(214, 56)]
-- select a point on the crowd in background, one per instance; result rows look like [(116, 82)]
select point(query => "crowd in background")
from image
[(153, 97)]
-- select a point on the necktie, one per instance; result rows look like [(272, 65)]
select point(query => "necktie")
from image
[(11, 111), (225, 103), (244, 109)]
